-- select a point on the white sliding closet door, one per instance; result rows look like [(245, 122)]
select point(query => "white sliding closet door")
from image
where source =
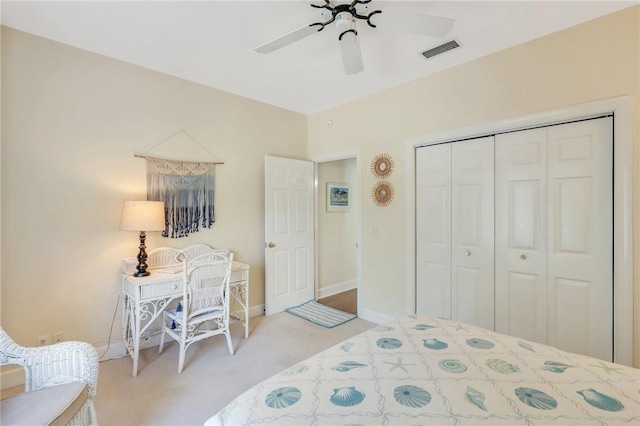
[(454, 225), (580, 244), (521, 234), (472, 233), (433, 230)]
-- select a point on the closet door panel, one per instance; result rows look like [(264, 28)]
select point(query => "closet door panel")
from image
[(580, 239), (470, 304), (472, 231), (571, 328), (433, 229), (521, 234), (524, 313)]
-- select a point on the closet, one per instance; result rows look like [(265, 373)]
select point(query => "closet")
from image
[(515, 233), (454, 230)]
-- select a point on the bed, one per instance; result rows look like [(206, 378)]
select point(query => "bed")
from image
[(427, 370)]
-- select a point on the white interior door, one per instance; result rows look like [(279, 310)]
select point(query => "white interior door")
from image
[(289, 233), (433, 230), (472, 232), (580, 238), (521, 234)]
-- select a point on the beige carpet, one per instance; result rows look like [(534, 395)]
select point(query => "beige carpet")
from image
[(211, 377)]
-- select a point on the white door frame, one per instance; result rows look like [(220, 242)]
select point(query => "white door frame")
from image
[(336, 156), (621, 107)]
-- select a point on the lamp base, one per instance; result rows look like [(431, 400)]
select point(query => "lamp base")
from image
[(142, 258)]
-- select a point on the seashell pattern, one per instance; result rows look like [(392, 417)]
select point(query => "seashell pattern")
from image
[(600, 400), (389, 343), (283, 397), (412, 396), (526, 345), (346, 346), (435, 344), (536, 398), (423, 326), (480, 343), (452, 366), (296, 369), (384, 328), (347, 366), (347, 396), (475, 397), (502, 366), (555, 367)]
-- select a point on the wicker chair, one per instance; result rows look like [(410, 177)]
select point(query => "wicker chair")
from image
[(204, 309), (60, 383)]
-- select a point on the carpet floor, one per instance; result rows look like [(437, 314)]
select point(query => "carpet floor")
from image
[(211, 378)]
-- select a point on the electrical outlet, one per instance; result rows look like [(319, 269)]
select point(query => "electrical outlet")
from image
[(43, 340), (58, 337)]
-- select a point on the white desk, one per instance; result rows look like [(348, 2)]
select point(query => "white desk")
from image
[(144, 299)]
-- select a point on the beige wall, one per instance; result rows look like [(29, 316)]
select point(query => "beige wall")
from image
[(337, 236), (593, 61), (71, 122)]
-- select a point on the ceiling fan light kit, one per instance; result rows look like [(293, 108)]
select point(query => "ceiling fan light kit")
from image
[(345, 17)]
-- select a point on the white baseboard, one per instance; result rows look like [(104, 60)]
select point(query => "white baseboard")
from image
[(256, 311), (374, 317), (13, 377), (337, 288)]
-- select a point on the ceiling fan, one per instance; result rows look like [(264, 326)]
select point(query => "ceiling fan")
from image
[(346, 15)]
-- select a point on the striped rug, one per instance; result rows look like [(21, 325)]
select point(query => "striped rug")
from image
[(320, 314)]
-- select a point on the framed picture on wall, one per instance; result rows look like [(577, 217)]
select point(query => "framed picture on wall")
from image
[(337, 197)]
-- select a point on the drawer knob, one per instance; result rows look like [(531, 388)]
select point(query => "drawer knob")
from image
[(523, 256), (467, 253)]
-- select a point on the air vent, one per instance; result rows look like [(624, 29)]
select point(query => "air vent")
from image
[(440, 49)]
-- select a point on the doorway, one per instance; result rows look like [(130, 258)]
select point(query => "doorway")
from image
[(337, 234)]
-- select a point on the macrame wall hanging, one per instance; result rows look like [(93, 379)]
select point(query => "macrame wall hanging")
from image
[(187, 189)]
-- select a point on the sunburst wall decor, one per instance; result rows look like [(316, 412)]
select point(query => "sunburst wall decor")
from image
[(382, 193), (382, 165)]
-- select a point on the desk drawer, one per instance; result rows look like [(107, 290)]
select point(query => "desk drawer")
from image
[(241, 275), (161, 289), (239, 272)]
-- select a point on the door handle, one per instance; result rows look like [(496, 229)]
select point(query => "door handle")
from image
[(270, 245)]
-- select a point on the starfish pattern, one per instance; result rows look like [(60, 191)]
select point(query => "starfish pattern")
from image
[(607, 369), (397, 364), (461, 327)]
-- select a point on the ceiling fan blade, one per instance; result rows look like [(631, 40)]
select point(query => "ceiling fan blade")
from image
[(415, 23), (351, 54), (287, 39)]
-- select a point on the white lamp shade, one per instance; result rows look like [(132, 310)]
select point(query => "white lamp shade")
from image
[(142, 216)]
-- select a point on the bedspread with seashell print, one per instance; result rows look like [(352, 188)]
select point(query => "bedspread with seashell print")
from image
[(427, 370)]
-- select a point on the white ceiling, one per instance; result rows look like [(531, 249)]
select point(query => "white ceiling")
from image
[(212, 42)]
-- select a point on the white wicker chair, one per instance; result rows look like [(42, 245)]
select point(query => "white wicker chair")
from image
[(49, 366), (205, 302), (164, 257)]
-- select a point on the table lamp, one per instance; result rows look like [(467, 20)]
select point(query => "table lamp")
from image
[(142, 216)]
